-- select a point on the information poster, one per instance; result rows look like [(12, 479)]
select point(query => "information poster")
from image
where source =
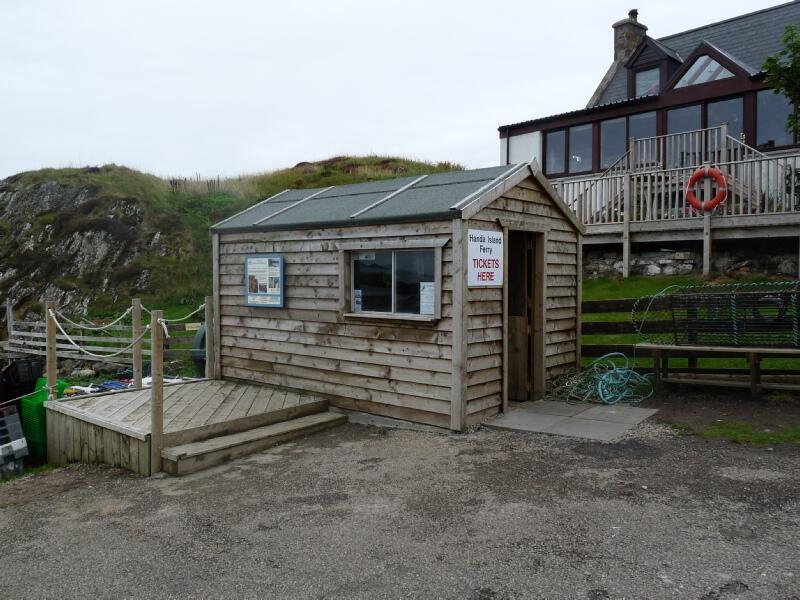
[(264, 280), (426, 297), (484, 258)]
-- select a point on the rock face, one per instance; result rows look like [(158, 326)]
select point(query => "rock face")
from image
[(72, 240), (666, 261)]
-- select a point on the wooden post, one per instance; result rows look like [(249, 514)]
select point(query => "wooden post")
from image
[(156, 391), (626, 227), (9, 318), (538, 356), (706, 229), (52, 355), (458, 388), (210, 337), (723, 143), (136, 331), (217, 312), (504, 398), (657, 370), (755, 374)]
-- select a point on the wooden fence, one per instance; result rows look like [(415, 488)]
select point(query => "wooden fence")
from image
[(30, 337), (618, 323)]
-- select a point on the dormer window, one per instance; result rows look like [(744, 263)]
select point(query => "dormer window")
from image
[(704, 70), (648, 82)]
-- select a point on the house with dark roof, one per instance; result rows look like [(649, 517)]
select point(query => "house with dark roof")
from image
[(664, 108)]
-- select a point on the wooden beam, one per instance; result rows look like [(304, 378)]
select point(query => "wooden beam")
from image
[(579, 301), (626, 227), (136, 331), (504, 399), (156, 392), (211, 343), (52, 361), (458, 388), (9, 317), (539, 353), (706, 244), (217, 365)]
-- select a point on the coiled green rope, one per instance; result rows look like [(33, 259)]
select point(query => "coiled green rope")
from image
[(604, 380)]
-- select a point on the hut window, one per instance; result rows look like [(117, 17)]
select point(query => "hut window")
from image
[(393, 281)]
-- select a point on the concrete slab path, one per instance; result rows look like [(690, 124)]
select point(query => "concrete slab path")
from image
[(599, 422)]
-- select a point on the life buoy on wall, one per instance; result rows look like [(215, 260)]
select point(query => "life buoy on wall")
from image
[(722, 188)]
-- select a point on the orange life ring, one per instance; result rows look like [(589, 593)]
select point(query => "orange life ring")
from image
[(722, 188)]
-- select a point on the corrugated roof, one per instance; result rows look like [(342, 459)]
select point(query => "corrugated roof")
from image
[(747, 39), (428, 199)]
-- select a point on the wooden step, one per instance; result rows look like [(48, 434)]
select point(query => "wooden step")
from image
[(188, 458)]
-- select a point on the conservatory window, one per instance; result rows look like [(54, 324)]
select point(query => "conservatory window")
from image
[(703, 70)]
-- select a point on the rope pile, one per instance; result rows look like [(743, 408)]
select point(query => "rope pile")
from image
[(604, 380)]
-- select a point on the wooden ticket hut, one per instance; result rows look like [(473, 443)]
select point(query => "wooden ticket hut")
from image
[(434, 299)]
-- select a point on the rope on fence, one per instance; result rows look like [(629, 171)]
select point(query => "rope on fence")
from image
[(89, 353), (191, 314), (93, 327)]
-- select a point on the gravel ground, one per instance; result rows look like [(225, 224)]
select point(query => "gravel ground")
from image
[(364, 512)]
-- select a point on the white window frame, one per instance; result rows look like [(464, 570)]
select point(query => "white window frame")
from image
[(346, 257)]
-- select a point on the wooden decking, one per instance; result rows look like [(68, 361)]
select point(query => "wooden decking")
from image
[(84, 428)]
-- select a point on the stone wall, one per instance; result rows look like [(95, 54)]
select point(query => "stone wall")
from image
[(665, 261)]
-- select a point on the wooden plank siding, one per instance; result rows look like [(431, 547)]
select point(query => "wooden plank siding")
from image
[(398, 368), (529, 206), (72, 440)]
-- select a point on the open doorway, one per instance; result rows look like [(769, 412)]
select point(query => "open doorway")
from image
[(525, 292)]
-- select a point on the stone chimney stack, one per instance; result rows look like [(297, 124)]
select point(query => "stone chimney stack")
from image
[(628, 34)]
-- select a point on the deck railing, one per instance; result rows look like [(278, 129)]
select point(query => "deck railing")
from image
[(653, 187)]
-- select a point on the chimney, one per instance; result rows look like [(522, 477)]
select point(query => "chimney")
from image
[(628, 34)]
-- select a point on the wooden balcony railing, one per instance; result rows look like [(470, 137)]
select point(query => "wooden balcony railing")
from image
[(650, 181)]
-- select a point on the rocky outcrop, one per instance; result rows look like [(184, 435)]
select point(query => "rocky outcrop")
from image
[(75, 242)]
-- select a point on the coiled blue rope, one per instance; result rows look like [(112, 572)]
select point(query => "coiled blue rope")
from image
[(606, 381)]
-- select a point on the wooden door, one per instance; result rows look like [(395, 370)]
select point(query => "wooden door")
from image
[(520, 311)]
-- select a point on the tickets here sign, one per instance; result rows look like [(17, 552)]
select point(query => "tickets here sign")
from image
[(484, 258)]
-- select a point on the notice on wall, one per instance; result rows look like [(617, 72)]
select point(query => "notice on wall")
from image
[(426, 297), (264, 280), (357, 300), (484, 258)]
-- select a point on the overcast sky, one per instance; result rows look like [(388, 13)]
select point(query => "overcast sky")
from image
[(234, 86)]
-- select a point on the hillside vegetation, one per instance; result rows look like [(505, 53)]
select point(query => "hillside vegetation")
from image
[(94, 237)]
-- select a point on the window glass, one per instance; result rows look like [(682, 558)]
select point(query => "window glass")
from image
[(412, 269), (648, 82), (612, 141), (771, 112), (642, 125), (683, 119), (703, 70), (556, 148), (409, 274), (580, 148), (372, 281), (727, 111)]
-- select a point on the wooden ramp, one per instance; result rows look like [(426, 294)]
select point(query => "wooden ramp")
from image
[(114, 428)]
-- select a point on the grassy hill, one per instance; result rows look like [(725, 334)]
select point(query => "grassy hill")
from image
[(94, 237)]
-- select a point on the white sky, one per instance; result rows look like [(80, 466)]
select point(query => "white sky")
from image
[(228, 87)]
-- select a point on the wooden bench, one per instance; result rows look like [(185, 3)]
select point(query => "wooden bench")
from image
[(661, 354)]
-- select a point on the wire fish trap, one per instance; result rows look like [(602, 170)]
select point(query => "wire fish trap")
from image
[(762, 315)]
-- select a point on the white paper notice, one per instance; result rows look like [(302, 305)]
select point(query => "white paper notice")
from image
[(426, 297), (484, 258), (357, 300)]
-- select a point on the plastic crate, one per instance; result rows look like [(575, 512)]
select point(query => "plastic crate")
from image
[(34, 419)]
